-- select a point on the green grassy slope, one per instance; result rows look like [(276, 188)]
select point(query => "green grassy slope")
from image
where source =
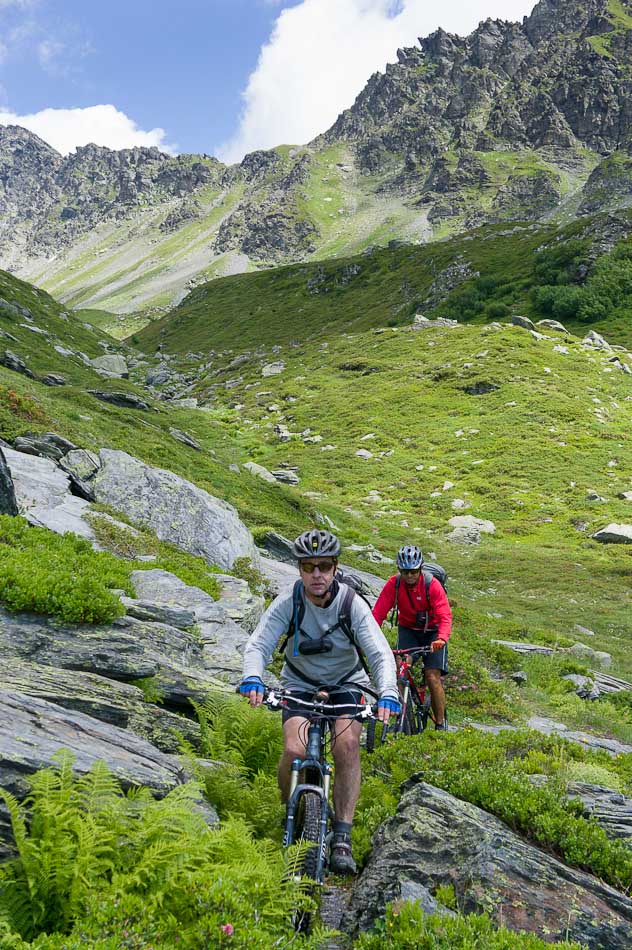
[(486, 275)]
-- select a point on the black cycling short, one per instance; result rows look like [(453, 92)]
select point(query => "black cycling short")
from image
[(343, 695), (408, 639)]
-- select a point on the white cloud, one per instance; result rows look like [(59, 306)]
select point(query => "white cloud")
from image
[(65, 129), (322, 52)]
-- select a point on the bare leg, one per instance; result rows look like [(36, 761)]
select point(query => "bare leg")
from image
[(437, 694), (346, 750), (293, 748)]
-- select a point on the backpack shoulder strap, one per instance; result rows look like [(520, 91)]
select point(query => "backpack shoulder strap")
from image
[(344, 621), (298, 611), (428, 579), (394, 613)]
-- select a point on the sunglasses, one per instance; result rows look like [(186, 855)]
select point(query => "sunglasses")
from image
[(414, 570), (324, 567)]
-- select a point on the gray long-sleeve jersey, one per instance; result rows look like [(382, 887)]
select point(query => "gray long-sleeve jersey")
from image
[(328, 668)]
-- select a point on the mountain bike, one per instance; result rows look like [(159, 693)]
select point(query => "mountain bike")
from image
[(309, 814), (414, 698)]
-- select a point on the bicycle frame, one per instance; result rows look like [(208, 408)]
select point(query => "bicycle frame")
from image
[(406, 682), (317, 771)]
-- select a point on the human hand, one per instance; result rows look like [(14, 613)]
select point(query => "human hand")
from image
[(437, 645), (254, 689), (387, 707)]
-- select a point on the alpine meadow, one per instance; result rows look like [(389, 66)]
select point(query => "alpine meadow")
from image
[(415, 329)]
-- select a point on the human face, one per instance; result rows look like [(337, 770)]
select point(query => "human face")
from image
[(317, 573), (411, 577)]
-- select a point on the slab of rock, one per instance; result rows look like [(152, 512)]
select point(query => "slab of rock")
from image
[(469, 521), (612, 810), (54, 379), (436, 840), (48, 445), (119, 704), (110, 364), (519, 647), (15, 363), (127, 650), (594, 339), (175, 509), (614, 534), (625, 495), (185, 438), (159, 375), (523, 322), (8, 504), (285, 476), (123, 400), (42, 492), (586, 687), (552, 325), (260, 471), (273, 369), (33, 730)]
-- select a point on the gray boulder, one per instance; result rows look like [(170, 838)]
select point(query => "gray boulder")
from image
[(8, 504), (185, 438), (260, 471), (110, 364), (611, 809), (594, 339), (286, 476), (42, 493), (54, 379), (122, 400), (523, 322), (469, 521), (48, 445), (119, 704), (614, 534), (436, 840), (159, 375), (552, 325), (175, 509), (125, 651), (15, 363), (32, 731), (273, 369)]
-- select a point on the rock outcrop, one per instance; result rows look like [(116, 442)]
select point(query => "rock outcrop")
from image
[(435, 839)]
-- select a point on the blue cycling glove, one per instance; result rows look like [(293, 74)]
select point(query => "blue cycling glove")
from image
[(392, 705), (253, 682)]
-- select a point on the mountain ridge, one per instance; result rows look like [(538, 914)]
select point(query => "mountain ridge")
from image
[(513, 122)]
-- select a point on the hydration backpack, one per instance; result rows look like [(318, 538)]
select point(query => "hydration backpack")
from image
[(430, 570), (343, 622)]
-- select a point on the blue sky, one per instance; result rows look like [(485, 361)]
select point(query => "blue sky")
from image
[(215, 76)]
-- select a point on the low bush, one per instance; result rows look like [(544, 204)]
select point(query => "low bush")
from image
[(60, 576), (406, 927)]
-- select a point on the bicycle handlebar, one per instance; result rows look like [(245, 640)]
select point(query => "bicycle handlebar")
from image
[(275, 700), (413, 650)]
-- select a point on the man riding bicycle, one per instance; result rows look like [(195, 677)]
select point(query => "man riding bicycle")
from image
[(319, 653), (424, 620)]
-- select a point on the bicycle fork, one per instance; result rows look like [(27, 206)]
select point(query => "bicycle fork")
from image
[(297, 791)]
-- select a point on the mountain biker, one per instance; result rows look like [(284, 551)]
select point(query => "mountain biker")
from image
[(333, 660), (423, 620)]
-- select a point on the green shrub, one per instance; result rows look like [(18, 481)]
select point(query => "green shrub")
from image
[(61, 576), (492, 772), (406, 927)]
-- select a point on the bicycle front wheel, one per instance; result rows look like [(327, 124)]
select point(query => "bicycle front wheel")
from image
[(309, 833)]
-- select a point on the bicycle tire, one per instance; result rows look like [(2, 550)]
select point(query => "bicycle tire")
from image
[(426, 711), (309, 832), (406, 724), (370, 736)]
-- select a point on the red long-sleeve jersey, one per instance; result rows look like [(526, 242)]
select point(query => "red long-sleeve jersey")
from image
[(412, 599)]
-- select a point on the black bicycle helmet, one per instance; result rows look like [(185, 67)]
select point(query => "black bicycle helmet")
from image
[(409, 558), (316, 543)]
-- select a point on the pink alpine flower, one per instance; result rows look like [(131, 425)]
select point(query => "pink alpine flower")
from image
[(228, 929)]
